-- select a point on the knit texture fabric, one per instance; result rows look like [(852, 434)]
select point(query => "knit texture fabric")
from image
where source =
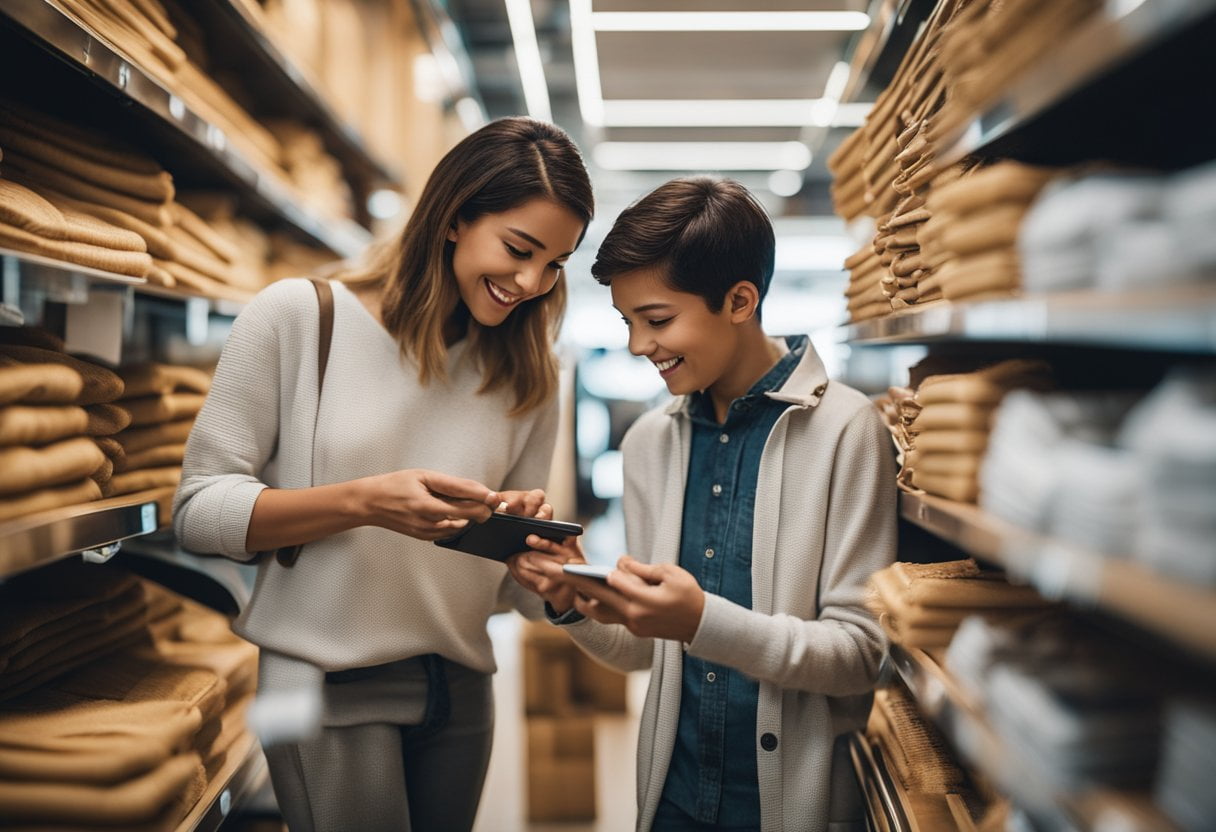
[(367, 596)]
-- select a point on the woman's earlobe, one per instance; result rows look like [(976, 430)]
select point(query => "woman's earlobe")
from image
[(452, 234)]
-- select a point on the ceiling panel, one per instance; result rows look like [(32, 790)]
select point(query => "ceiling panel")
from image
[(717, 65)]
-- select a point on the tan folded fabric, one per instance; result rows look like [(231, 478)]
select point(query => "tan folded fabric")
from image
[(130, 263), (100, 385), (923, 760), (153, 458), (169, 407), (959, 489), (954, 416), (858, 258), (142, 480), (985, 386), (45, 499), (204, 236), (75, 139), (39, 424), (134, 440), (38, 383), (134, 801), (113, 450), (188, 278), (43, 644), (55, 592), (25, 469), (987, 230), (197, 637), (156, 187), (1002, 182), (234, 738), (951, 441), (106, 419), (159, 277), (945, 464), (965, 283), (960, 583), (140, 26), (103, 474), (190, 253), (154, 213), (32, 336), (908, 218), (22, 208), (908, 263), (925, 638), (156, 240), (155, 379), (872, 310)]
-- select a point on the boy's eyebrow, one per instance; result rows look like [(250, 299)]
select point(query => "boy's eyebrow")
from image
[(535, 241), (648, 307)]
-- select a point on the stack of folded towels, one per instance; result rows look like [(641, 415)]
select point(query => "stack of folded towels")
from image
[(970, 243), (950, 432), (56, 418), (162, 401), (131, 741), (922, 604)]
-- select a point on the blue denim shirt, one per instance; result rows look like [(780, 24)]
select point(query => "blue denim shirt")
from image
[(712, 776)]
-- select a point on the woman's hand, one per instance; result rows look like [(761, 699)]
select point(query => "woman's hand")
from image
[(425, 504), (525, 504), (540, 570), (651, 600)]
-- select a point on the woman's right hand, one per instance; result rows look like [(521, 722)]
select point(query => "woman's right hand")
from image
[(425, 504), (540, 570)]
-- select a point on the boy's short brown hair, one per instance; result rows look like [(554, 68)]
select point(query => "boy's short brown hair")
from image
[(707, 234)]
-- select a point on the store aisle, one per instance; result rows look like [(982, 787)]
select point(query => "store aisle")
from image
[(503, 803)]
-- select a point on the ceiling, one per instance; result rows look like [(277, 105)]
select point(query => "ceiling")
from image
[(674, 86)]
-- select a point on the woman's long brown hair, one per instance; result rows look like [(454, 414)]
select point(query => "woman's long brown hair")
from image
[(501, 166)]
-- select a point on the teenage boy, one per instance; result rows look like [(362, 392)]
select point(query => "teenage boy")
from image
[(757, 504)]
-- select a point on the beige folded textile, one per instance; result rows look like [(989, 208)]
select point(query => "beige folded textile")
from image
[(55, 592), (39, 424), (951, 441), (168, 407), (859, 258), (38, 383), (130, 263), (961, 282), (190, 253), (994, 228), (936, 463), (909, 635), (203, 235), (961, 489), (32, 336), (156, 187), (142, 480), (987, 385), (42, 644), (100, 385), (954, 416), (923, 761), (103, 474), (106, 419), (153, 458), (234, 738), (113, 450), (134, 801), (134, 440), (22, 208), (1002, 182), (154, 213), (188, 278), (45, 499), (155, 379), (960, 583), (25, 469), (75, 139)]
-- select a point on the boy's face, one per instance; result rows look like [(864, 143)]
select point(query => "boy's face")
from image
[(690, 346)]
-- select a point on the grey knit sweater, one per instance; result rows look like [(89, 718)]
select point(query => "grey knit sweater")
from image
[(365, 596), (824, 522)]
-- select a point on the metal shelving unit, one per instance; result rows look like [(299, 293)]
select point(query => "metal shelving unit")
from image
[(877, 788), (95, 530), (1183, 613), (244, 773), (1116, 35), (174, 122), (1178, 318)]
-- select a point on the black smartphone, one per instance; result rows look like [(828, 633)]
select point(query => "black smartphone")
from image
[(503, 535)]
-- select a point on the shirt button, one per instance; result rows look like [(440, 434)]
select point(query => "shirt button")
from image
[(710, 676), (768, 742), (724, 438), (709, 553), (717, 490)]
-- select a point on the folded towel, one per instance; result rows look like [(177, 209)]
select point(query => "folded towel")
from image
[(38, 383), (962, 489), (103, 474), (950, 441), (39, 424), (55, 592), (134, 440), (922, 758), (946, 464), (32, 336), (156, 187), (985, 230), (202, 233), (153, 458), (143, 480), (960, 583), (100, 385), (21, 505), (169, 407), (156, 379), (106, 419), (154, 213), (129, 263), (23, 208), (41, 645), (985, 187), (71, 137), (954, 416), (987, 385), (25, 469)]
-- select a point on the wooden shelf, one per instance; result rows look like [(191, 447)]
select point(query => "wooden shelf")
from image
[(1117, 34), (173, 122), (1184, 614), (1175, 318)]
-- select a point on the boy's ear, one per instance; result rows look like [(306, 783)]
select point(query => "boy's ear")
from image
[(744, 300)]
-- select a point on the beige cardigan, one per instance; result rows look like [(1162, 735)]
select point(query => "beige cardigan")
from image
[(824, 522)]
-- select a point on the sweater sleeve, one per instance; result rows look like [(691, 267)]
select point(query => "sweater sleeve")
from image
[(531, 470), (837, 654), (234, 435)]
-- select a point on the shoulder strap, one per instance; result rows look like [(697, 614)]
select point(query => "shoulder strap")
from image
[(288, 555)]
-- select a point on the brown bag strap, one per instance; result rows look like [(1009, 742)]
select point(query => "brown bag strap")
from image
[(288, 555)]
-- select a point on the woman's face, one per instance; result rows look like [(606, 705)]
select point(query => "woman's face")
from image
[(503, 260)]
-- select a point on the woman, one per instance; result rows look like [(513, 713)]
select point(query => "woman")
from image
[(439, 403)]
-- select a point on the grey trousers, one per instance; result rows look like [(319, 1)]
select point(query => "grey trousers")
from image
[(384, 776)]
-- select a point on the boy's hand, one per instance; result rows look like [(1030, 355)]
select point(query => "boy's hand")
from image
[(652, 601), (540, 570), (525, 504)]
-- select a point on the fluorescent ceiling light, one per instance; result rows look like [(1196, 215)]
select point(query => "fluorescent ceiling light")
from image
[(688, 112), (586, 64), (729, 21), (527, 55), (838, 78), (723, 156), (852, 113)]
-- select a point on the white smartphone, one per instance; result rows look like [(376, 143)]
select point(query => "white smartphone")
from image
[(588, 570)]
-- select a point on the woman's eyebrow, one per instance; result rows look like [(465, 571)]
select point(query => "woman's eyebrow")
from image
[(534, 241)]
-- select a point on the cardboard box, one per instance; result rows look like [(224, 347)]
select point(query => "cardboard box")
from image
[(561, 768)]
